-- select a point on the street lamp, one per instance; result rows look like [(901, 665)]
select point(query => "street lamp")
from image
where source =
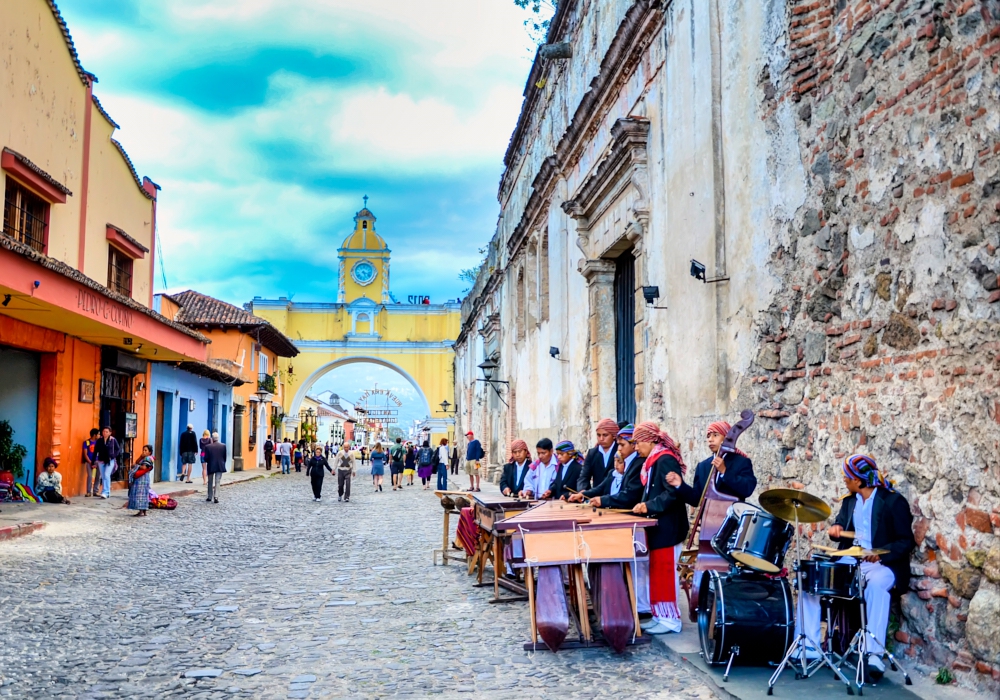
[(489, 367), (445, 406)]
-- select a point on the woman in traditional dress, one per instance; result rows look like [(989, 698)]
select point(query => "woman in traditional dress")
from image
[(663, 502), (378, 465), (138, 482)]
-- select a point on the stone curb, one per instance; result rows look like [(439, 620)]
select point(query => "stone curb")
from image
[(191, 492), (20, 530), (681, 658)]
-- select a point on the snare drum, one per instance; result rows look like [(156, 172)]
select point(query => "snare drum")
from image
[(828, 577), (722, 541), (761, 541)]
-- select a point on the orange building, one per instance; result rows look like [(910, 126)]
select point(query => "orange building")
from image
[(252, 346), (76, 257)]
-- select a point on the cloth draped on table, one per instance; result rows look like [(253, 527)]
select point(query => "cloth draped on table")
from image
[(468, 532), (663, 584)]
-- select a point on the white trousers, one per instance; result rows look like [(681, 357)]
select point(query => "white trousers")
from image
[(879, 580), (640, 578)]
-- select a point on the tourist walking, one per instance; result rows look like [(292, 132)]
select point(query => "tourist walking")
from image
[(396, 454), (206, 440), (364, 455), (410, 463), (425, 463), (189, 449), (138, 482), (473, 454), (90, 462), (268, 453), (443, 455), (297, 457), (108, 450), (378, 465), (455, 459), (317, 463), (285, 455), (48, 486), (344, 461), (216, 455)]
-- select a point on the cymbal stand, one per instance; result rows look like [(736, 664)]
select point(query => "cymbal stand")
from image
[(796, 654), (859, 644)]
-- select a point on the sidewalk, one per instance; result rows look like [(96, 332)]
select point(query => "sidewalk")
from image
[(750, 682), (83, 512)]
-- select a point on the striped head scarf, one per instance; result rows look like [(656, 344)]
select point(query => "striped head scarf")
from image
[(722, 428), (567, 446), (518, 445), (626, 432), (607, 425), (864, 468), (648, 431)]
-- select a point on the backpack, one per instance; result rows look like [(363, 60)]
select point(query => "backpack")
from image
[(425, 457), (397, 453)]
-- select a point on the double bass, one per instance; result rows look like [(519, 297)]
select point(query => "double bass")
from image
[(695, 561)]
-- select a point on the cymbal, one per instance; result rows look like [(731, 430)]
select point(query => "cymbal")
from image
[(786, 503), (858, 552)]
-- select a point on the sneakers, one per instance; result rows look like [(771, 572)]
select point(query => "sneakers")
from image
[(347, 500), (339, 499), (646, 624), (216, 500), (662, 627), (876, 669)]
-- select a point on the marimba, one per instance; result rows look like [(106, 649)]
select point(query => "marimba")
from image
[(490, 509), (556, 534)]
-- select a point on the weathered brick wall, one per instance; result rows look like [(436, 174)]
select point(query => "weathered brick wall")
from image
[(885, 338)]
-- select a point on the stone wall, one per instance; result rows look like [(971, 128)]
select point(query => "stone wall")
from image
[(884, 336)]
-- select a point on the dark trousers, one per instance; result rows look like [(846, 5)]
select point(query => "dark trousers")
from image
[(454, 468), (51, 497), (442, 477), (268, 456), (317, 482), (343, 483)]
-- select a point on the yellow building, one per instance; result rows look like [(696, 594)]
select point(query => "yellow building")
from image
[(366, 324)]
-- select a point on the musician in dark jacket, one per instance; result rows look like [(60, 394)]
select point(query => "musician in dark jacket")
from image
[(622, 487), (515, 471), (734, 471), (880, 518), (567, 471), (661, 457), (600, 459)]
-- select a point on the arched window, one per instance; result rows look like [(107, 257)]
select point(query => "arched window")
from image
[(362, 324)]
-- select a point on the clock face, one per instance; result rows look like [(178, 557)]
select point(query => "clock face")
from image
[(363, 272)]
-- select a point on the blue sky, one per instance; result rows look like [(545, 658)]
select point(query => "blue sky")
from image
[(265, 121)]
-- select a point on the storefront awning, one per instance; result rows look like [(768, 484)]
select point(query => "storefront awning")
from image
[(45, 292)]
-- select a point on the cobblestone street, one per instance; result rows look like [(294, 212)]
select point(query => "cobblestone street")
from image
[(270, 595)]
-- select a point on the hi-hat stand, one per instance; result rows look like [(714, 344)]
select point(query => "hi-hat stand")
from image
[(859, 644), (796, 654)]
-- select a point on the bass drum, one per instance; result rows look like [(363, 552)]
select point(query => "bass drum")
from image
[(747, 614)]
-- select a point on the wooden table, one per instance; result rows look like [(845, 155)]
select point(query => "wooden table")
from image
[(556, 535), (448, 551)]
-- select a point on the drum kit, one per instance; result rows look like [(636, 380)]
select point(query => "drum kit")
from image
[(746, 612)]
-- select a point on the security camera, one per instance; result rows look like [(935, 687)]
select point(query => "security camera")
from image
[(554, 351)]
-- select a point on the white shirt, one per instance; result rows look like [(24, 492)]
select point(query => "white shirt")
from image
[(616, 482), (519, 474), (606, 453), (540, 479), (443, 454), (285, 449), (863, 521)]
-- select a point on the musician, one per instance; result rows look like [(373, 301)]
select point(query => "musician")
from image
[(661, 457), (622, 487), (880, 519), (600, 459), (514, 472), (543, 470), (734, 470)]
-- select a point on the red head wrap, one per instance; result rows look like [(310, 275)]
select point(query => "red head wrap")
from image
[(721, 427), (607, 425), (648, 431), (519, 445)]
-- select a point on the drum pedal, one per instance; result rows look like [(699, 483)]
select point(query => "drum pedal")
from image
[(733, 653)]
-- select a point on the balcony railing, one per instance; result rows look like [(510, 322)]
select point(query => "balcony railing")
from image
[(267, 382)]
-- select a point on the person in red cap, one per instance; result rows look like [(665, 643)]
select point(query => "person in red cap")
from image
[(600, 459), (473, 454), (734, 471)]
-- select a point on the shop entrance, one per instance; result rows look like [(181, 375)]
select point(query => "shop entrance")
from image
[(118, 412), (19, 402)]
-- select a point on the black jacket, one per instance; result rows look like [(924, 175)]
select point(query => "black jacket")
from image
[(567, 475), (215, 457), (189, 442), (738, 481), (316, 464), (630, 492), (665, 504), (509, 478), (892, 529), (593, 468)]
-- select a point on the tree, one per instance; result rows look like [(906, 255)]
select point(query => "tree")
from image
[(11, 454), (540, 16)]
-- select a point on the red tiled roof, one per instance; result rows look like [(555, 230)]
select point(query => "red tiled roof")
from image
[(202, 311)]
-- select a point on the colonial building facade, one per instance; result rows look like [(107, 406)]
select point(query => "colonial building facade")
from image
[(789, 207)]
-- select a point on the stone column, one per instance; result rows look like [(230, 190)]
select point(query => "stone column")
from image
[(600, 276)]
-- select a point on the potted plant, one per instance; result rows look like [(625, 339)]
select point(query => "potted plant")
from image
[(11, 453)]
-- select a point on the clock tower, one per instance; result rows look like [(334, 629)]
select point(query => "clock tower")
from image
[(364, 262)]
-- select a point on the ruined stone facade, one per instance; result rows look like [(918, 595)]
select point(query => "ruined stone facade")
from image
[(839, 162)]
